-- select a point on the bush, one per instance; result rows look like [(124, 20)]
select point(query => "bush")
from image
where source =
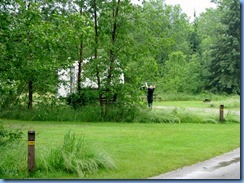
[(82, 98), (8, 136), (90, 113), (54, 113)]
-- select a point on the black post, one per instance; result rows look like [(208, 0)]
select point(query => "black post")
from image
[(221, 113), (31, 150)]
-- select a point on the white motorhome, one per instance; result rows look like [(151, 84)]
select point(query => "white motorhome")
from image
[(68, 80)]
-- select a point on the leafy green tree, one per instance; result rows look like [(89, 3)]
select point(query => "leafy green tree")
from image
[(181, 75), (208, 24), (174, 72), (40, 39)]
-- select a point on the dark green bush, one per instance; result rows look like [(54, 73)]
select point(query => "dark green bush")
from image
[(82, 98)]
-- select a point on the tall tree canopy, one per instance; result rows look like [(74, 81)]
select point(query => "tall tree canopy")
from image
[(147, 42), (225, 54)]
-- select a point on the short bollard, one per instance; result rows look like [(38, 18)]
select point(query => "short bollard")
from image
[(221, 113), (31, 151)]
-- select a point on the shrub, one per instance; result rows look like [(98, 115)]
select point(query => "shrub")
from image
[(122, 112), (82, 98), (9, 136)]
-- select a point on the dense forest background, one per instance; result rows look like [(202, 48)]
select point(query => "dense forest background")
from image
[(152, 42)]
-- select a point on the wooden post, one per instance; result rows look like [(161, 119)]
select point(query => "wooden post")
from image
[(221, 113), (31, 150)]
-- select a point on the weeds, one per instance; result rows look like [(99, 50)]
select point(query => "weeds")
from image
[(120, 112), (75, 156), (12, 153), (8, 136), (181, 115)]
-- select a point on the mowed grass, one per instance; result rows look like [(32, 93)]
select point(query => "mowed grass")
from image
[(197, 104), (140, 150), (229, 103)]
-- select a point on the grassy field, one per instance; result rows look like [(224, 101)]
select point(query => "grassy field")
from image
[(232, 103), (197, 104), (140, 150)]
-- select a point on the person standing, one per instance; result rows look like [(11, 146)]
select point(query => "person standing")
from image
[(150, 91)]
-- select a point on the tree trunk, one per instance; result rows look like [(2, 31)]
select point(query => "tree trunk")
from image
[(30, 88), (80, 62), (96, 56), (80, 68), (112, 55)]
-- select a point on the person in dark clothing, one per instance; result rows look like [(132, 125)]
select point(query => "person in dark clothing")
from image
[(150, 91)]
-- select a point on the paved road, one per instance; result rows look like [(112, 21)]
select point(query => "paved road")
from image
[(226, 166)]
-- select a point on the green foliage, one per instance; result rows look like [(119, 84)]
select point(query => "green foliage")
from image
[(12, 153), (90, 113), (182, 115), (54, 113), (135, 147), (8, 136), (231, 117), (13, 161), (153, 116), (39, 38), (225, 53), (122, 112), (181, 76), (82, 98), (75, 156), (175, 71)]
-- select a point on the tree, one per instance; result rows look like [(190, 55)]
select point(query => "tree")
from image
[(225, 63), (40, 39), (175, 72), (194, 37)]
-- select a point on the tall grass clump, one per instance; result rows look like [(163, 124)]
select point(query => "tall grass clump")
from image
[(231, 102), (75, 156), (231, 117), (193, 117), (13, 156), (13, 161), (155, 116), (181, 115)]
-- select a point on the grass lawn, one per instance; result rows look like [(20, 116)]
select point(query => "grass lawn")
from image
[(140, 150), (229, 103), (197, 104)]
